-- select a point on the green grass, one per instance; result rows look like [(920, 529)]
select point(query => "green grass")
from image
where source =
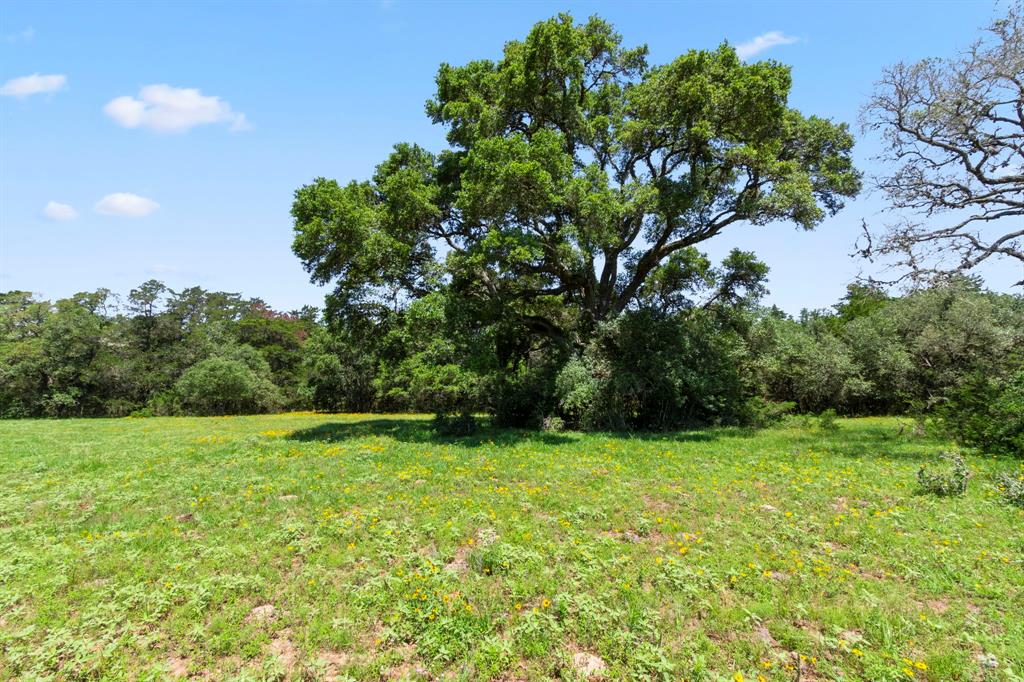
[(362, 547)]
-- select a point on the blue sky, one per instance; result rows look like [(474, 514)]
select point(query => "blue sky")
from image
[(291, 91)]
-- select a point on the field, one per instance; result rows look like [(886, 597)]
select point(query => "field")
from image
[(342, 547)]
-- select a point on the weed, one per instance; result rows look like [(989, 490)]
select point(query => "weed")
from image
[(1011, 488), (950, 481)]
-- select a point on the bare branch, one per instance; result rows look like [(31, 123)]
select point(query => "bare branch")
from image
[(954, 137)]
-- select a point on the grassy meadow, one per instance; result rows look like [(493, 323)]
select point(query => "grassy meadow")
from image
[(362, 547)]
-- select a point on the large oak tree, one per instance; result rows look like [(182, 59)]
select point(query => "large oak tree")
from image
[(575, 174)]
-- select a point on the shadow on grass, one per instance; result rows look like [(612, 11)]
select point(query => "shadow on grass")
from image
[(696, 435), (420, 431), (852, 440), (873, 441)]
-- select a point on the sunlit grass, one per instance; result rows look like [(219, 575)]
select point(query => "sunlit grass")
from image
[(358, 546)]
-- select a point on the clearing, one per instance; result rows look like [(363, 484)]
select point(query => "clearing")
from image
[(305, 546)]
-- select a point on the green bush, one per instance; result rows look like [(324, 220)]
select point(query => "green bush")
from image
[(325, 386), (553, 424), (576, 389), (445, 388), (219, 385), (524, 396), (986, 413), (763, 413), (827, 421), (647, 370), (62, 403)]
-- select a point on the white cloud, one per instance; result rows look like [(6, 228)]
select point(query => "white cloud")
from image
[(161, 269), (168, 109), (54, 210), (25, 35), (763, 42), (126, 204), (33, 85)]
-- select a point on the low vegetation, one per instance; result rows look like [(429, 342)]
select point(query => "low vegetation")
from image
[(301, 546)]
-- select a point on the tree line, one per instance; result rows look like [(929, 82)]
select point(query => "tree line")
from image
[(720, 358)]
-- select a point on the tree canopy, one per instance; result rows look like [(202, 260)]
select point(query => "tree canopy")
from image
[(576, 180)]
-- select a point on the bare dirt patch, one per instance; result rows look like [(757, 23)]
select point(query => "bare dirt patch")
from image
[(177, 667), (458, 564), (627, 535), (333, 662), (851, 636), (264, 613), (409, 667), (282, 647), (588, 665), (764, 635), (658, 504)]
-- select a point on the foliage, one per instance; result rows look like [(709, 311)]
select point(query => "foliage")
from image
[(553, 424), (987, 413), (339, 366), (709, 355), (647, 370), (949, 481), (426, 362), (805, 362), (576, 182), (524, 395), (92, 354), (827, 421), (894, 355), (763, 413), (219, 385)]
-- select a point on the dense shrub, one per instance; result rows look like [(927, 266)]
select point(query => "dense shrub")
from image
[(762, 413), (420, 386), (337, 376), (326, 387), (221, 385), (523, 397), (647, 370), (827, 421), (886, 356), (93, 354), (987, 413), (806, 363), (576, 389)]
